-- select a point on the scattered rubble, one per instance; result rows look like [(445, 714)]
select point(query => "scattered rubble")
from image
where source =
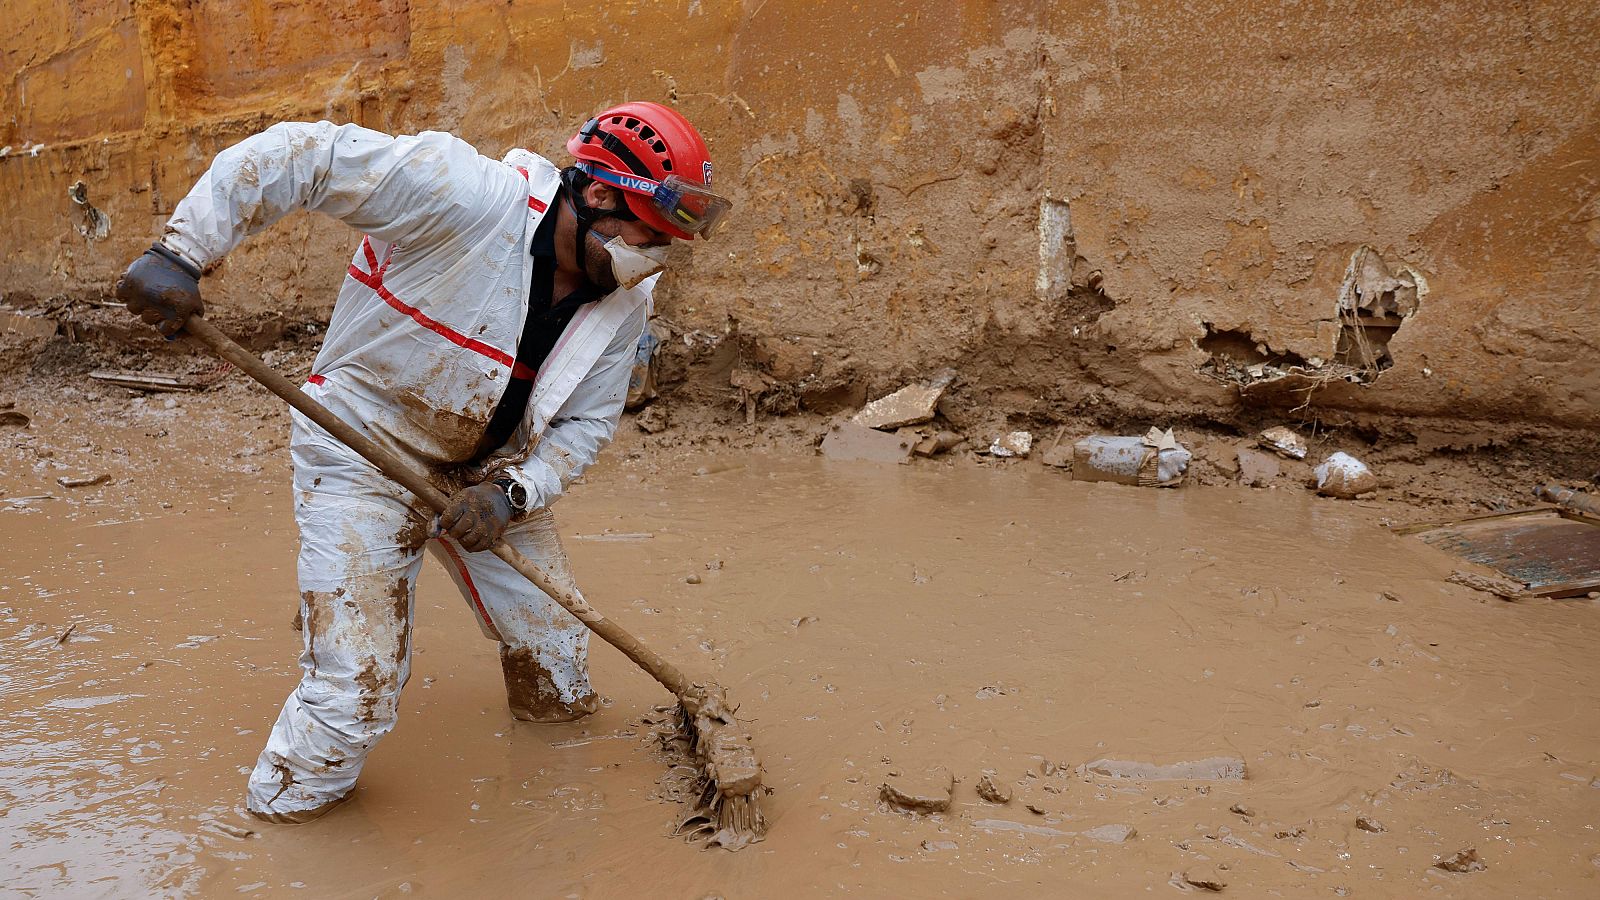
[(849, 441), (923, 792), (1154, 460), (1500, 587), (653, 419), (1283, 441), (1016, 443), (1207, 878), (911, 405), (1342, 475), (1462, 861), (940, 442), (1214, 768), (992, 790), (1257, 469)]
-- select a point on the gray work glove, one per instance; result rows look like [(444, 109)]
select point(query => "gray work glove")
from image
[(163, 289), (476, 516)]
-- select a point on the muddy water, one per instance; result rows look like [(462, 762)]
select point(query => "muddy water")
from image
[(870, 620)]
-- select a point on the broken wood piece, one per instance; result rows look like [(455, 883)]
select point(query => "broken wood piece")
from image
[(155, 382)]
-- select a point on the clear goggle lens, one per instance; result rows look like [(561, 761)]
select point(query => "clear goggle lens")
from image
[(690, 207)]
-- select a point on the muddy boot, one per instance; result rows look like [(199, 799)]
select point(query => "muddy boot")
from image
[(300, 816), (533, 695)]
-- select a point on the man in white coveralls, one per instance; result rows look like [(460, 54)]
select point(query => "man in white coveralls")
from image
[(485, 332)]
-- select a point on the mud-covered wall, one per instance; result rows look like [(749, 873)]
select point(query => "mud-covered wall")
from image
[(1075, 203)]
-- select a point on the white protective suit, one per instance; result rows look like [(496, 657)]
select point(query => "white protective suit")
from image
[(418, 352)]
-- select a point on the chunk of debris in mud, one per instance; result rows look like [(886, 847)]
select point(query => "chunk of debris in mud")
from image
[(1569, 498), (1462, 861), (68, 481), (1504, 588), (1367, 823), (1015, 443), (1208, 878), (936, 444), (1283, 441), (14, 419), (156, 382), (1342, 475), (1257, 469), (936, 846), (911, 405), (1059, 456), (990, 789), (921, 792), (1214, 768), (1239, 809), (1155, 459), (1111, 834), (653, 419), (848, 441)]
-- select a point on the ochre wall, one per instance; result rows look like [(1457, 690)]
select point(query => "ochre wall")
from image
[(1218, 163)]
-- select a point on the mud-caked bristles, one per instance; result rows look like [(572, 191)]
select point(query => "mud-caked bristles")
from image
[(727, 810)]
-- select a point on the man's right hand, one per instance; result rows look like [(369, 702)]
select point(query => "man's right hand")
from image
[(160, 291)]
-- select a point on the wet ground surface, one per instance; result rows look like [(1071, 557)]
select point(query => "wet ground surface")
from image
[(870, 620)]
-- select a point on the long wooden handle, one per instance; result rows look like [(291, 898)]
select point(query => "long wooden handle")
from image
[(415, 482)]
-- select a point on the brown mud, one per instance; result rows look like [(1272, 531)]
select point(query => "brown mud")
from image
[(871, 620)]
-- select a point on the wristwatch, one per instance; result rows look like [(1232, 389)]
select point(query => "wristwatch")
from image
[(515, 493)]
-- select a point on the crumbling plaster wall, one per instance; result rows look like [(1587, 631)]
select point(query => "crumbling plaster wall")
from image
[(1202, 164)]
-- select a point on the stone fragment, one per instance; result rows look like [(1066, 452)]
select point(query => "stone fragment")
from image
[(1239, 809), (990, 789), (910, 405), (653, 419), (1462, 861), (1214, 768), (1014, 443), (1111, 834), (1366, 823), (1284, 442), (1257, 469), (936, 444), (848, 441), (923, 792), (1206, 878), (1059, 456), (1342, 475)]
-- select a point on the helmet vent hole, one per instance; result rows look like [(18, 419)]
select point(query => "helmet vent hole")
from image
[(647, 133), (631, 124), (666, 164)]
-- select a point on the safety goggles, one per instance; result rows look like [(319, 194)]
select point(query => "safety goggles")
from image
[(687, 206)]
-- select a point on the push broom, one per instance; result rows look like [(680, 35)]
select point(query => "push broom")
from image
[(727, 810)]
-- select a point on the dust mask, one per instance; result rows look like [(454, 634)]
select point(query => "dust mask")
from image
[(631, 264)]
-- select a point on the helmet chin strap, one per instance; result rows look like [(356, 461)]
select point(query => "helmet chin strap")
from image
[(574, 180)]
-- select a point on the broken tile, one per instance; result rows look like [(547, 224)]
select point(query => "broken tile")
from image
[(910, 405)]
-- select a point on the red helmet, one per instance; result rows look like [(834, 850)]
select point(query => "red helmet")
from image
[(659, 162)]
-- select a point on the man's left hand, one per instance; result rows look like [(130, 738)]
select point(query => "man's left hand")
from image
[(476, 516)]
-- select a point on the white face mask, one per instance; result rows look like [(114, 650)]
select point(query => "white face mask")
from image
[(631, 264)]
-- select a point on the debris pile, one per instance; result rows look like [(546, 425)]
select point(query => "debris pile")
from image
[(1155, 459)]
